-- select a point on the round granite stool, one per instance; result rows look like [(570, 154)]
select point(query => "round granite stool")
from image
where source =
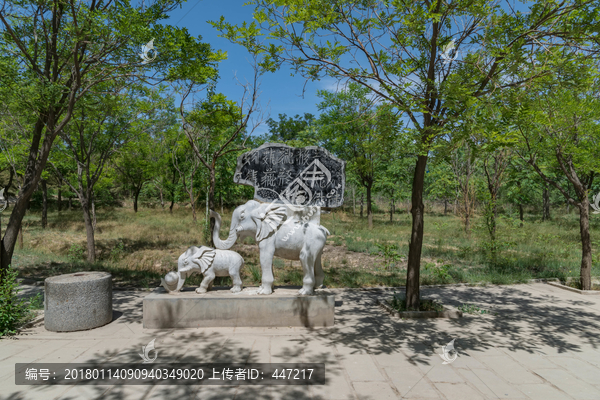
[(78, 301)]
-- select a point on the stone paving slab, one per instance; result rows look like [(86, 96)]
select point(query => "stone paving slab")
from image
[(406, 378), (374, 390), (568, 383), (459, 391), (538, 342), (475, 382), (545, 392)]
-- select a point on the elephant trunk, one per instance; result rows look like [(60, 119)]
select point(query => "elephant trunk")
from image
[(230, 241)]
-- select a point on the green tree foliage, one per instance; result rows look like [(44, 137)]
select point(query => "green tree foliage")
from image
[(215, 128), (103, 122), (431, 60), (489, 134), (138, 163), (64, 48), (289, 128), (441, 182), (465, 166), (522, 186), (557, 121), (359, 130)]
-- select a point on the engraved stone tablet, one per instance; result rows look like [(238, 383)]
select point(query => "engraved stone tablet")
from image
[(307, 176)]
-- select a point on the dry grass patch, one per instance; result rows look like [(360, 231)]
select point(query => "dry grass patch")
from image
[(139, 248)]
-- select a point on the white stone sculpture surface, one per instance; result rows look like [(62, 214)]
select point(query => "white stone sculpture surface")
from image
[(208, 261), (279, 231)]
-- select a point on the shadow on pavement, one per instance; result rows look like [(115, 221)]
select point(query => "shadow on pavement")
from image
[(520, 319)]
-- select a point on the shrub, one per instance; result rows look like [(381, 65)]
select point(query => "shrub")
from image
[(390, 253), (14, 311), (472, 309), (117, 252), (76, 252)]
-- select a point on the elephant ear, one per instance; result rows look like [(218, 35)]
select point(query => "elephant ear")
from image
[(204, 258), (268, 222)]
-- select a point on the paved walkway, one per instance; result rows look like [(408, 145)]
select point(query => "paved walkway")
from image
[(539, 342)]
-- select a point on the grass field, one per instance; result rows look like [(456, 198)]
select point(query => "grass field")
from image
[(140, 248)]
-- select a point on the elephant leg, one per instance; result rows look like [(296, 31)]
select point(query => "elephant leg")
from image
[(266, 264), (319, 274), (308, 265), (209, 277), (234, 272)]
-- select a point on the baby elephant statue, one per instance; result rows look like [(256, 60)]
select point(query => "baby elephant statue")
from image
[(210, 263)]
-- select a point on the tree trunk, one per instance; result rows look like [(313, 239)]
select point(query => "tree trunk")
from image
[(70, 203), (491, 223), (392, 210), (1, 246), (94, 221), (210, 203), (35, 164), (10, 181), (221, 201), (416, 237), (192, 202), (89, 230), (162, 200), (353, 202), (494, 217), (369, 209), (59, 199), (445, 206), (21, 237), (521, 214), (44, 204), (586, 244), (546, 204), (135, 199), (361, 205), (172, 194)]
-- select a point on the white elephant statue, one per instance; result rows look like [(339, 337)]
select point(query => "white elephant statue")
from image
[(279, 232), (210, 263)]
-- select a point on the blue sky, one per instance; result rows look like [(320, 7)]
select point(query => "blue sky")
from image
[(280, 92)]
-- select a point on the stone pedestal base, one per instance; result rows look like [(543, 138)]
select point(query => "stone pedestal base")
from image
[(220, 308)]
